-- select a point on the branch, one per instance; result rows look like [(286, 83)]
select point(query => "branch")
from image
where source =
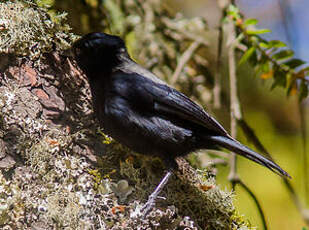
[(185, 57), (246, 188), (217, 87), (172, 25), (234, 104), (236, 114), (303, 126)]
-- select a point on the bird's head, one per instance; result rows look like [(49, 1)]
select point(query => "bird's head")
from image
[(97, 53)]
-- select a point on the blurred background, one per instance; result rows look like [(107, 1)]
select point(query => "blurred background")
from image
[(274, 117)]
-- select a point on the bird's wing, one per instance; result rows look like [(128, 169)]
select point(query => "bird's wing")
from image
[(169, 101)]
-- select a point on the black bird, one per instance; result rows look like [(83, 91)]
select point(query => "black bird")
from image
[(142, 112)]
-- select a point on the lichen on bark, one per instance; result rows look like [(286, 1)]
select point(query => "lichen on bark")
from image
[(59, 172), (28, 30)]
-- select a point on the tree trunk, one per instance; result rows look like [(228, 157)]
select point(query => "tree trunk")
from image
[(59, 171)]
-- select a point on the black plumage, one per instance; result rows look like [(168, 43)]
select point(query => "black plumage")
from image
[(142, 112)]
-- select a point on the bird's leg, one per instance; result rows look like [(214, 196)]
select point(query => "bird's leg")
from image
[(152, 198)]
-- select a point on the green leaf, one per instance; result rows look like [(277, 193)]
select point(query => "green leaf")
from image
[(233, 11), (246, 55), (264, 70), (291, 84), (264, 45), (272, 44), (255, 32), (276, 44), (293, 63), (280, 79), (306, 69), (263, 65), (292, 90), (283, 54), (303, 92), (250, 21)]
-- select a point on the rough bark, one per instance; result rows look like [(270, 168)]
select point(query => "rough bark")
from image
[(59, 171)]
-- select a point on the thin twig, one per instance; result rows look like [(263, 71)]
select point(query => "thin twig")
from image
[(246, 188), (251, 136), (242, 47), (303, 127), (194, 37), (217, 87), (218, 153), (201, 60), (249, 133), (185, 57), (236, 115), (234, 104), (216, 162)]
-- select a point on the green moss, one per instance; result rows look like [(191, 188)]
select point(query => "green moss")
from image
[(105, 138), (210, 208)]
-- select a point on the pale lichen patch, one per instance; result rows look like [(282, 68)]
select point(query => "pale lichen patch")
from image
[(28, 30)]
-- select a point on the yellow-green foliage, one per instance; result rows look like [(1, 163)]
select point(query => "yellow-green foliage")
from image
[(29, 31)]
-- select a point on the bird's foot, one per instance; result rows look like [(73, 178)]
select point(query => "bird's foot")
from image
[(150, 204), (152, 198)]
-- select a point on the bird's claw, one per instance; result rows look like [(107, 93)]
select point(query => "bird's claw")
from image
[(148, 206)]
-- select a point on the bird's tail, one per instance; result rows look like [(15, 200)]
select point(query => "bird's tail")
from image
[(235, 146)]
